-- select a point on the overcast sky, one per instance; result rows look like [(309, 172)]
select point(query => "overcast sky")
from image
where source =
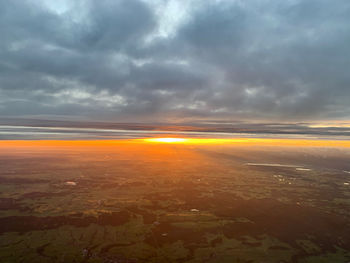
[(165, 61)]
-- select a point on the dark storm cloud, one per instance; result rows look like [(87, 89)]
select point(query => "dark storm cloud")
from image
[(251, 60)]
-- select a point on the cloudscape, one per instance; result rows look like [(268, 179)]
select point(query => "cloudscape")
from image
[(164, 61), (175, 131)]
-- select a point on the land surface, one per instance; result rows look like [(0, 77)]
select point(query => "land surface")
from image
[(134, 201)]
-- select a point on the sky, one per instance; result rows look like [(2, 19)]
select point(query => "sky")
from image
[(175, 61)]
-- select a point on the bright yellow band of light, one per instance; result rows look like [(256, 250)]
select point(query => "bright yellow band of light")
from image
[(196, 140), (177, 140), (167, 140), (252, 141)]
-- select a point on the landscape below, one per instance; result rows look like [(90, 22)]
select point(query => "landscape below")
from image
[(175, 199)]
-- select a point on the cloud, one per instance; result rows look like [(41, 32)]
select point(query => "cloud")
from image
[(169, 60)]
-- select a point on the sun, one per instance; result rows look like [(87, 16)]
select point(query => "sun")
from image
[(167, 140)]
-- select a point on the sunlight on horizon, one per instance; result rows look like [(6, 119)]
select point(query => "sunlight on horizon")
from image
[(167, 140), (9, 144)]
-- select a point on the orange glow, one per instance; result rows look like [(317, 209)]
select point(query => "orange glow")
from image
[(41, 144), (166, 140), (194, 140), (252, 142)]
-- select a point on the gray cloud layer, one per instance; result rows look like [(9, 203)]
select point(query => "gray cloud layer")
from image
[(164, 60)]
